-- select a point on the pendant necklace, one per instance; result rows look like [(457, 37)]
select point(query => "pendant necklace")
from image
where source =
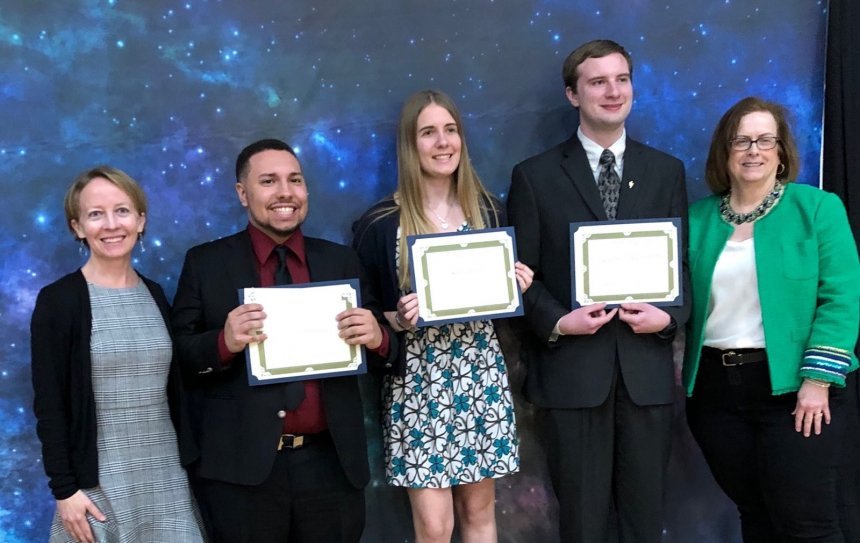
[(443, 221)]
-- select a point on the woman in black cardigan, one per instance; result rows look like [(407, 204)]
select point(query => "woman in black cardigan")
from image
[(107, 392)]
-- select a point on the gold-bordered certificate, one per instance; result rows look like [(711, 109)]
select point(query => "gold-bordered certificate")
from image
[(626, 261), (302, 335), (463, 276)]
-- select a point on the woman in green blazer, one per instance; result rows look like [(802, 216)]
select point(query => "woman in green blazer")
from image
[(775, 283)]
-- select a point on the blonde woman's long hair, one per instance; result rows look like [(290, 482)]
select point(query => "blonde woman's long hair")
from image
[(475, 201)]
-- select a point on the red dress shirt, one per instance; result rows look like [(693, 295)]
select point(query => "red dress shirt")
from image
[(309, 417)]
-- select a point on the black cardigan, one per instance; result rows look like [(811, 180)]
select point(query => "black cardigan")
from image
[(375, 241), (64, 404)]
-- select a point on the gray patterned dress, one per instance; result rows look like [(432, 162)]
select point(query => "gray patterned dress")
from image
[(450, 420), (143, 489)]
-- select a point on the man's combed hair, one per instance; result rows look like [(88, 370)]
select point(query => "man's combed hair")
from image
[(592, 49), (244, 158)]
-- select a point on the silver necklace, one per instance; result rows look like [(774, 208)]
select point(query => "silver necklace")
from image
[(443, 221)]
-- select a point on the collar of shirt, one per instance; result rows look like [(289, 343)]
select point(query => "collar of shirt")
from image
[(264, 245), (594, 150)]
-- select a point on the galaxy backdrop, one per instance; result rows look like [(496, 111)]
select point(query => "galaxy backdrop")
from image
[(170, 91)]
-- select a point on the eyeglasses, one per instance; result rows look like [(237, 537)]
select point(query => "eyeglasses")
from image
[(743, 143)]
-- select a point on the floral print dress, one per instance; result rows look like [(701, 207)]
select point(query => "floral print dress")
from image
[(450, 420)]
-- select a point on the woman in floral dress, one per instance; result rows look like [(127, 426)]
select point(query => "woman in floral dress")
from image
[(448, 414)]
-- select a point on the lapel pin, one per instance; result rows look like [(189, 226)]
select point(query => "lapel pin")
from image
[(631, 183)]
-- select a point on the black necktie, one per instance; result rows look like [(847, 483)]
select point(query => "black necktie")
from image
[(282, 272), (608, 183), (294, 392)]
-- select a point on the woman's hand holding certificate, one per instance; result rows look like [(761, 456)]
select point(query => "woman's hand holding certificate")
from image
[(463, 276)]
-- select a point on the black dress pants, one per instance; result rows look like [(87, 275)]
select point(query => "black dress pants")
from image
[(617, 452), (305, 499), (849, 471), (783, 483)]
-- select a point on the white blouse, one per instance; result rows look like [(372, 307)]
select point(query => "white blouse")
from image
[(734, 309)]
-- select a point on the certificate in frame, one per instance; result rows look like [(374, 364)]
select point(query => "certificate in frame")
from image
[(302, 335), (465, 276), (626, 261)]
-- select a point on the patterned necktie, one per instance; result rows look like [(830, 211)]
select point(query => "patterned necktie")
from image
[(608, 183), (294, 392)]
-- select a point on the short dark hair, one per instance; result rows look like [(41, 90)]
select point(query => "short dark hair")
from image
[(717, 165), (592, 49), (259, 146)]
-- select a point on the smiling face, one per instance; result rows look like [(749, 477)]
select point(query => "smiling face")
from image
[(755, 166), (438, 142), (604, 96), (108, 221), (274, 193)]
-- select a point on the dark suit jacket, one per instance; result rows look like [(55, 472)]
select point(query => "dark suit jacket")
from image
[(237, 425), (548, 192)]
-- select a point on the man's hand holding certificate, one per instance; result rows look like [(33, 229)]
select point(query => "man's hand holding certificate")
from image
[(623, 262), (301, 337)]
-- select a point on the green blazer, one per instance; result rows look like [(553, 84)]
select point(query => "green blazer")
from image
[(808, 281)]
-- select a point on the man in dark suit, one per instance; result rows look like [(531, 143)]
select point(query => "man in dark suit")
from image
[(279, 462), (605, 377)]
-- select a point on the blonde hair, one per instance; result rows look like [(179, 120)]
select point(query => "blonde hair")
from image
[(123, 181), (475, 201)]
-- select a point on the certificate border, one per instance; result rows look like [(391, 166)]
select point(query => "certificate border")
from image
[(648, 297), (486, 312), (323, 371)]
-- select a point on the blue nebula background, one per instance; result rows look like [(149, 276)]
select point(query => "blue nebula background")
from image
[(170, 91)]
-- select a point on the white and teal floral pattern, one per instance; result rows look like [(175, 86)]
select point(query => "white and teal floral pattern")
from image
[(450, 420)]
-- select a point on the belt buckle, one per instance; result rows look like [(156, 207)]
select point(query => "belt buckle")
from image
[(295, 442), (729, 364)]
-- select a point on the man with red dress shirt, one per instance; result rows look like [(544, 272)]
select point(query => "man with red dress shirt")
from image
[(279, 462)]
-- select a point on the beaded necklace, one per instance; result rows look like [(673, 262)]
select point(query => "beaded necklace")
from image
[(760, 211)]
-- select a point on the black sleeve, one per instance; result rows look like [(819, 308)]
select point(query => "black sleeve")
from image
[(52, 330)]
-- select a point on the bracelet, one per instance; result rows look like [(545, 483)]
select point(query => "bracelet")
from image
[(399, 322), (817, 382)]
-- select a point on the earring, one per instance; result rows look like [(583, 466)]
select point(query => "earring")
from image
[(140, 242), (780, 168), (83, 250)]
